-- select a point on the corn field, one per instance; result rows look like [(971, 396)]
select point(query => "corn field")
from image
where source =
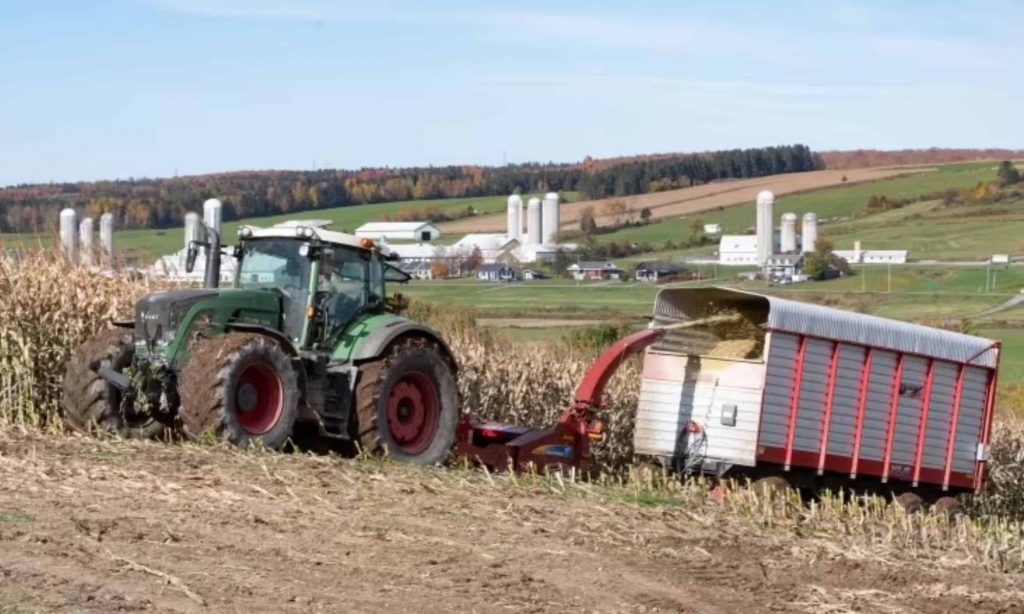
[(47, 308)]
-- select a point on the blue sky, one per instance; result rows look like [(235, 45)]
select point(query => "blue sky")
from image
[(145, 88)]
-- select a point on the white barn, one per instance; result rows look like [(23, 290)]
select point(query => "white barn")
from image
[(399, 231), (738, 250)]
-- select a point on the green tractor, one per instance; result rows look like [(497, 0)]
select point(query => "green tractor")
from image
[(307, 336)]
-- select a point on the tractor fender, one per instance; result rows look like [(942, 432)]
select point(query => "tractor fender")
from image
[(286, 343), (380, 339)]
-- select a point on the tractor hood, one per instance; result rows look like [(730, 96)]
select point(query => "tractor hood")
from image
[(162, 317)]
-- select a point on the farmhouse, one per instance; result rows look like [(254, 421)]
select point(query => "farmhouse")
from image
[(595, 270), (657, 269), (399, 231), (784, 267), (496, 272)]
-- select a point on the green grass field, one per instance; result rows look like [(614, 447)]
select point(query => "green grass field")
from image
[(828, 203)]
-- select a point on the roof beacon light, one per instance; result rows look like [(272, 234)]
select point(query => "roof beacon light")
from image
[(366, 243)]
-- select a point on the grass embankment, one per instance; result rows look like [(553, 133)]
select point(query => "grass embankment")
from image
[(827, 203)]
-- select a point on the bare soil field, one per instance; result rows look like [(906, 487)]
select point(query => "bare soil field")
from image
[(100, 526), (675, 203)]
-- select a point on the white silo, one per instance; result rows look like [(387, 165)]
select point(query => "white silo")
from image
[(193, 229), (107, 237), (212, 212), (788, 241), (515, 217), (69, 233), (549, 213), (533, 221), (765, 226), (85, 232), (809, 233)]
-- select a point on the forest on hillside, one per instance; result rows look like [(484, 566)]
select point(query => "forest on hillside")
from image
[(864, 158), (161, 203)]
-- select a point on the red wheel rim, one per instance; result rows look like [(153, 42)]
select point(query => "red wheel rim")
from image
[(413, 412), (259, 398)]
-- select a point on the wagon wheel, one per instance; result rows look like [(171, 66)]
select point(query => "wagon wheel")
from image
[(912, 503)]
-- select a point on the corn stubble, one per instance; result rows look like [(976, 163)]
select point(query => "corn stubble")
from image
[(48, 307)]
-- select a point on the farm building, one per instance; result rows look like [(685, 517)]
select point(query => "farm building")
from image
[(543, 252), (712, 229), (493, 247), (417, 252), (784, 267), (737, 250), (417, 270), (873, 256), (172, 268), (595, 270), (496, 272), (399, 231), (657, 269), (532, 274)]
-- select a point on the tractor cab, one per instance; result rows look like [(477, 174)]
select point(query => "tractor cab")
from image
[(325, 280)]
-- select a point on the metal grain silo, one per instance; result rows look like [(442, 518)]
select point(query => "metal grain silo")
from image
[(85, 232), (69, 233), (107, 237), (549, 212), (193, 228), (212, 213), (515, 217), (765, 226), (788, 244), (533, 221), (809, 233)]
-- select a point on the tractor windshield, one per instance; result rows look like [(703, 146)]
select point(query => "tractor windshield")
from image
[(276, 264)]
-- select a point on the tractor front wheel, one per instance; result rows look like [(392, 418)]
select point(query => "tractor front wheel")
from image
[(240, 387), (407, 403), (89, 401)]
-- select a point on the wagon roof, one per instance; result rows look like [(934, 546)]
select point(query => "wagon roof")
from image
[(675, 304)]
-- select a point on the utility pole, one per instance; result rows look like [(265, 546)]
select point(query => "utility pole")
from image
[(889, 284)]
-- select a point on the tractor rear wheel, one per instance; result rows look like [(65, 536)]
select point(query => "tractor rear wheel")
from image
[(240, 387), (88, 400), (407, 403)]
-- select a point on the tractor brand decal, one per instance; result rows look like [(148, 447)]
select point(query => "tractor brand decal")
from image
[(554, 449)]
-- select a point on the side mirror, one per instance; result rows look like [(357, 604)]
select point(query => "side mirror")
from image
[(190, 256)]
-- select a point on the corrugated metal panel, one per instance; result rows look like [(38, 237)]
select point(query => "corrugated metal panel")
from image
[(844, 400), (972, 410), (675, 304)]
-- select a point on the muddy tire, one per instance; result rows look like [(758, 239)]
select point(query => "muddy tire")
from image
[(950, 507), (911, 503), (88, 401), (242, 388), (407, 403)]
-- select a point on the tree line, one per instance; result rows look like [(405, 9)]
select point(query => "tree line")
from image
[(162, 203)]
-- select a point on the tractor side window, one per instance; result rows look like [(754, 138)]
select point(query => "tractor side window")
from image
[(344, 277)]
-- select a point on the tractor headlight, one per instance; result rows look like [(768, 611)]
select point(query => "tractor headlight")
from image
[(244, 232), (304, 232)]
